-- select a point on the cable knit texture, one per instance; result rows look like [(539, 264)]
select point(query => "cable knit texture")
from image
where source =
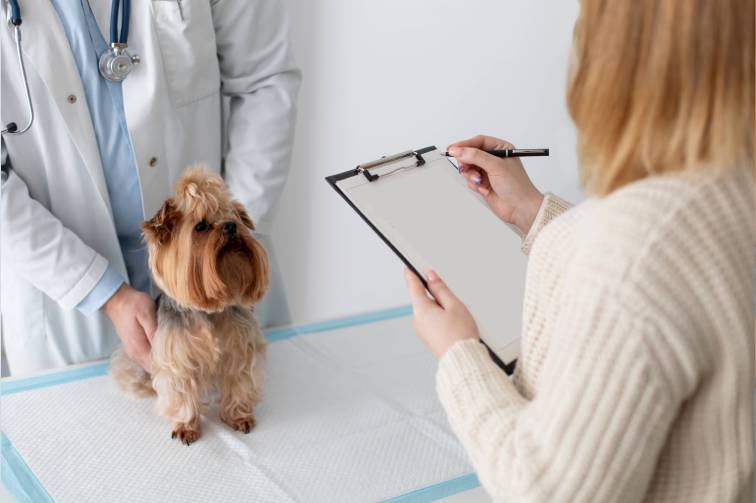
[(635, 381), (551, 207)]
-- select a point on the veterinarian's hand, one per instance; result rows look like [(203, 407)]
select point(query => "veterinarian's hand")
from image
[(134, 317), (440, 323), (502, 182)]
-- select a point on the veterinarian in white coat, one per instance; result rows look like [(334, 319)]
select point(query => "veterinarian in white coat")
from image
[(215, 84)]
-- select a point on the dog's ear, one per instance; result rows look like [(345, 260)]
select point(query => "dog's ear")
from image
[(160, 227), (243, 215)]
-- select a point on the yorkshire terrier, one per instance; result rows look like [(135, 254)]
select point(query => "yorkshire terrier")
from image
[(211, 271)]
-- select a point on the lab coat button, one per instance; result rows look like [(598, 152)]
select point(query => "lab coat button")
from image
[(72, 98), (153, 162)]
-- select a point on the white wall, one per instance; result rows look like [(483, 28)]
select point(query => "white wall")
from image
[(385, 76)]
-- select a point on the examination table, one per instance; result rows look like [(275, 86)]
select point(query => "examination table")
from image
[(349, 414)]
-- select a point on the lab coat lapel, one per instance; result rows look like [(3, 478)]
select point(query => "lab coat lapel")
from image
[(47, 52), (148, 109), (101, 11)]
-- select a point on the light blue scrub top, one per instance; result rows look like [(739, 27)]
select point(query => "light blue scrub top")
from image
[(105, 101)]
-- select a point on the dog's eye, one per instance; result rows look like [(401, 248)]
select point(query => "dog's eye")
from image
[(202, 226)]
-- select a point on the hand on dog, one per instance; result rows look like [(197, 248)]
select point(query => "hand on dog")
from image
[(441, 323), (134, 317)]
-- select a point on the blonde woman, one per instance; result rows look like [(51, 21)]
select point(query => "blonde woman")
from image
[(635, 381)]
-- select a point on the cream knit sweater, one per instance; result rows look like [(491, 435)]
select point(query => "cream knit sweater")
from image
[(635, 381)]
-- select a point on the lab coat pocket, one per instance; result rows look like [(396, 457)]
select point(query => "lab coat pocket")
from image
[(187, 42)]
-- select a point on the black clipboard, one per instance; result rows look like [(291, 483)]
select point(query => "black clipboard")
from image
[(394, 165)]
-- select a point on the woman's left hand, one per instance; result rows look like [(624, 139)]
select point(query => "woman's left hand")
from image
[(441, 323)]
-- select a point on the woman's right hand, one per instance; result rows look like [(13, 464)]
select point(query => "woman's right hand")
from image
[(503, 183)]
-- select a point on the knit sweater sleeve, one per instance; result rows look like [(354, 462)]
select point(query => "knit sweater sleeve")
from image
[(594, 430), (551, 207)]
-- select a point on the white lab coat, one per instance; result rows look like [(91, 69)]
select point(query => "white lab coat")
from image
[(57, 233)]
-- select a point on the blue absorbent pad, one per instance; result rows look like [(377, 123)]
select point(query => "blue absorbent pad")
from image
[(349, 414)]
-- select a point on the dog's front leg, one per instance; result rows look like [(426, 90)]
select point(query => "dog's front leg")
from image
[(239, 395), (241, 382), (179, 401)]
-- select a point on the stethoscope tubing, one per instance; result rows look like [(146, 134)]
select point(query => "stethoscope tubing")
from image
[(11, 128), (124, 35), (15, 21), (15, 17)]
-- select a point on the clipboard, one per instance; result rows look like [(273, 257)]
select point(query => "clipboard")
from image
[(422, 209)]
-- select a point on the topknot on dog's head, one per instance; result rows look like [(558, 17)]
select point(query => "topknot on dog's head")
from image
[(200, 190)]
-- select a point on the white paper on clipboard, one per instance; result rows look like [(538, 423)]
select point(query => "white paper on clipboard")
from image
[(433, 221)]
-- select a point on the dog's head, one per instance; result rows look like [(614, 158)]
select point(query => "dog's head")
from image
[(202, 253)]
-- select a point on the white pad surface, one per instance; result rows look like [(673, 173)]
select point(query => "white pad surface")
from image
[(347, 415)]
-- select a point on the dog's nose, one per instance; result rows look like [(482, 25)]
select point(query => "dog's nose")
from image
[(229, 228)]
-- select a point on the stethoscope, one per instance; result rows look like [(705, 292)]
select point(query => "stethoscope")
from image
[(115, 63)]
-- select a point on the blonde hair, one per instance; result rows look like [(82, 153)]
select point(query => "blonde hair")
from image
[(661, 85)]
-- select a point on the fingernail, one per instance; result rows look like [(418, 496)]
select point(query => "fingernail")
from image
[(476, 179), (454, 151), (432, 276)]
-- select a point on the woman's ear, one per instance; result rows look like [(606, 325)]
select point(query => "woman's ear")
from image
[(243, 215), (159, 228)]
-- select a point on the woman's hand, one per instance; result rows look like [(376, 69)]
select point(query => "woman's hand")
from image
[(502, 182), (440, 323), (134, 317)]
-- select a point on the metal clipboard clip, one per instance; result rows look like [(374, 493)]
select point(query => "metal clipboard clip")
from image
[(365, 168)]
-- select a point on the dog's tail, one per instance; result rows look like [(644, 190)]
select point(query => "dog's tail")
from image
[(130, 376)]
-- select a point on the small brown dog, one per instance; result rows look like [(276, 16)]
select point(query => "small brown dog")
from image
[(212, 271)]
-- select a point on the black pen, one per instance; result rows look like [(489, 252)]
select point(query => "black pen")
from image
[(514, 152)]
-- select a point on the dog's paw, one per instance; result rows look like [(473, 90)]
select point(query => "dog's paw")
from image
[(185, 433), (242, 424)]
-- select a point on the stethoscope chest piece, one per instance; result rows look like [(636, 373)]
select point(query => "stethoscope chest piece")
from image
[(116, 63)]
